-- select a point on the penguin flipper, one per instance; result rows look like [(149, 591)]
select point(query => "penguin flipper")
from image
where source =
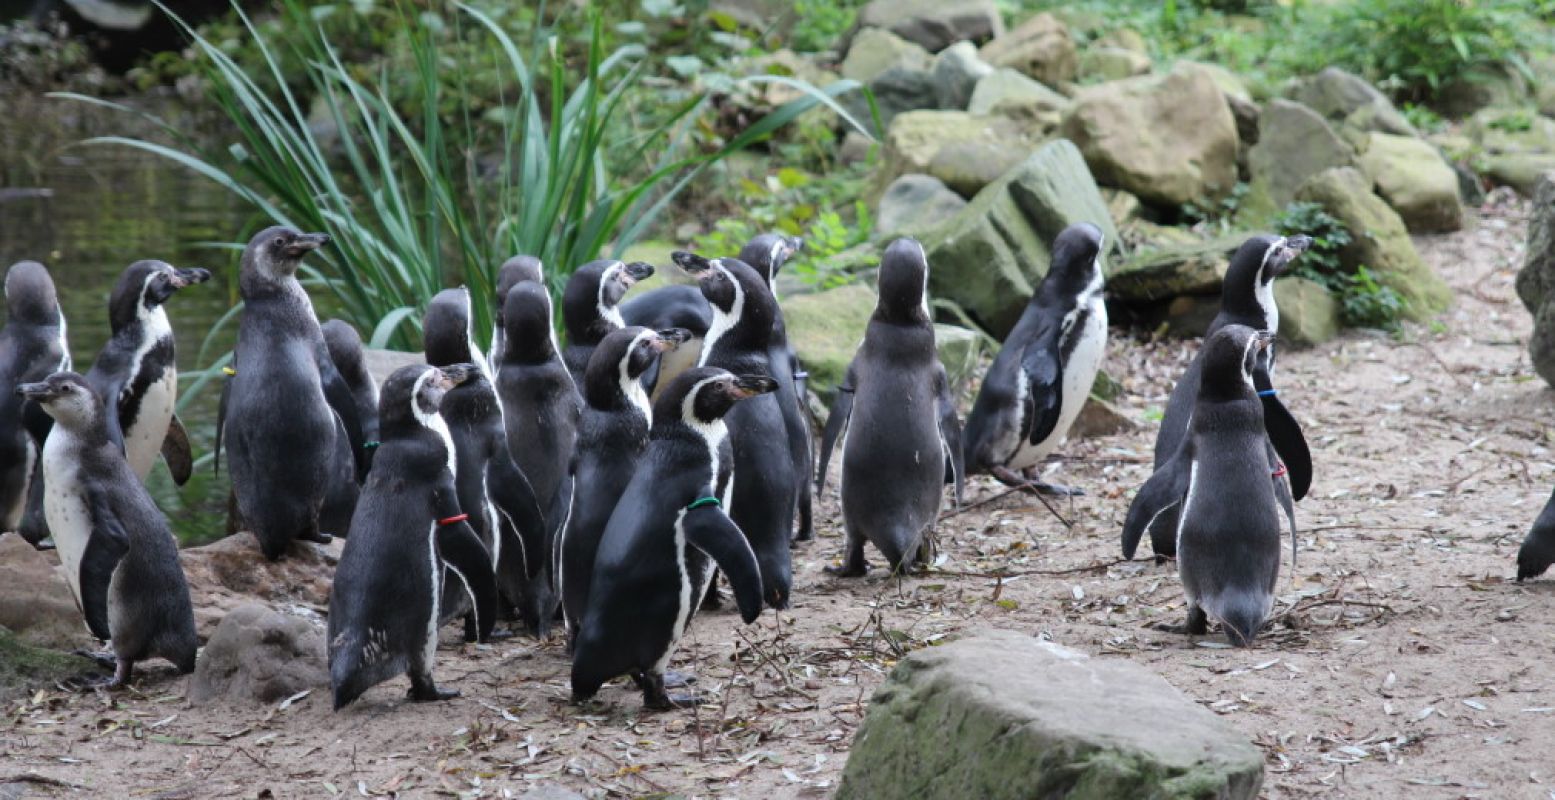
[(841, 410), (950, 433), (1162, 492), (111, 413), (515, 500), (1284, 433), (176, 451), (107, 544), (337, 393), (709, 529), (1043, 363), (221, 424)]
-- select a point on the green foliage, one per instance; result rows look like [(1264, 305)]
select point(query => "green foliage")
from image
[(1364, 303), (1423, 118), (1517, 120), (1219, 212), (820, 24)]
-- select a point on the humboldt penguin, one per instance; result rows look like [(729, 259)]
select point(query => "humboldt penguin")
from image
[(287, 416), (900, 421), (764, 487), (669, 530), (345, 350), (513, 271), (590, 307), (1538, 550), (612, 435), (120, 559), (409, 534), (32, 347), (1043, 374)]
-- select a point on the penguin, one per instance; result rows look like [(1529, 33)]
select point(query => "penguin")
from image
[(407, 535), (667, 533), (119, 556), (590, 307), (32, 347), (1227, 515), (764, 489), (514, 270), (1538, 550), (345, 351), (287, 416), (499, 500), (540, 411), (612, 435), (901, 423), (1043, 374)]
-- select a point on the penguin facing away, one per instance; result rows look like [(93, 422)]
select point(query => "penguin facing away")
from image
[(590, 307), (1042, 376), (513, 271), (612, 435), (660, 546), (900, 422), (32, 347), (345, 351), (1228, 517), (120, 559), (407, 535)]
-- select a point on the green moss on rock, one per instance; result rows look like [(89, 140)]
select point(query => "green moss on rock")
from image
[(23, 666)]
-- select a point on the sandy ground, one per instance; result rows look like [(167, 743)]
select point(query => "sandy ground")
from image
[(1404, 663)]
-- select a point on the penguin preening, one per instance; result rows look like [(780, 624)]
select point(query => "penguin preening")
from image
[(900, 421), (32, 347), (120, 559), (1043, 373), (408, 532), (656, 557), (1227, 517), (590, 307)]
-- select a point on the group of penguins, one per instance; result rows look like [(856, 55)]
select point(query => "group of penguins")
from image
[(607, 482)]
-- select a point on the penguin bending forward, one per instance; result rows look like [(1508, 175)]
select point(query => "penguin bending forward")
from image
[(658, 551), (407, 536), (120, 559), (32, 347), (901, 423), (590, 307)]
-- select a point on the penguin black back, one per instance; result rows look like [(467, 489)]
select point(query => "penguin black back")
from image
[(512, 272)]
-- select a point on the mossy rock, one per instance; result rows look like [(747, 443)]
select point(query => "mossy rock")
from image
[(1521, 171), (961, 351), (1152, 275), (23, 667), (825, 329), (1415, 180), (1308, 313)]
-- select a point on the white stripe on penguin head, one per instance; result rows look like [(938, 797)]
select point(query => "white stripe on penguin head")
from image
[(611, 314), (1263, 292), (722, 322), (712, 433), (631, 387), (432, 420)]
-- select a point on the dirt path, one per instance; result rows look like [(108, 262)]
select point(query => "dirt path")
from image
[(1405, 663)]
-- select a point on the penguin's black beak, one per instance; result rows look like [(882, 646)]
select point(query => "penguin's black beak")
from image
[(1264, 339), (696, 265), (457, 374), (35, 391), (189, 277), (752, 385), (1286, 253), (636, 271), (671, 338), (306, 243)]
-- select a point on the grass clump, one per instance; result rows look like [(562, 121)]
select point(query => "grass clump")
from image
[(1363, 302)]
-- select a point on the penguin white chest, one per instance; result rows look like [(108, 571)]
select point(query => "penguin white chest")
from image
[(1087, 331), (65, 505), (143, 440)]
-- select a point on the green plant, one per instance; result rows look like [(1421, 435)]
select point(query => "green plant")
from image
[(1365, 303), (820, 24), (1517, 120), (1218, 212), (1423, 118), (1321, 261)]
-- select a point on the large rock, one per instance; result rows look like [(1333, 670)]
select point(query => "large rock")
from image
[(259, 655), (1512, 130), (960, 350), (1150, 276), (1170, 139), (897, 91), (989, 257), (935, 24), (1007, 93), (1415, 180), (1521, 171), (916, 137), (1378, 239), (35, 602), (1040, 48), (1308, 313), (875, 50), (382, 363), (1536, 280), (966, 167), (912, 202), (230, 573), (826, 328), (1001, 715), (1099, 64), (1342, 97), (955, 73), (1480, 87), (1294, 143)]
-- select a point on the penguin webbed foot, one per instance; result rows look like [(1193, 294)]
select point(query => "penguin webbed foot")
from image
[(1057, 489), (316, 537), (425, 690), (122, 672), (1197, 624), (849, 569), (656, 699), (102, 658)]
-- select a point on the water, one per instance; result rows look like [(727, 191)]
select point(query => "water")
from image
[(87, 213)]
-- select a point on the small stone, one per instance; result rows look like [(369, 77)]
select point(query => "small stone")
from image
[(955, 73), (1040, 48), (935, 24), (1521, 171), (826, 328), (914, 201), (1005, 92), (967, 167), (259, 655), (1100, 418), (960, 350), (1112, 64), (1415, 180), (1123, 205), (916, 137), (1337, 96), (1308, 313), (35, 602), (875, 50), (1149, 276)]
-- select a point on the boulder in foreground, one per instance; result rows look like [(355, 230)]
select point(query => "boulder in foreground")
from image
[(260, 655)]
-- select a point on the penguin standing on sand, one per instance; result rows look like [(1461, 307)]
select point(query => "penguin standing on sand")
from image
[(540, 409), (901, 423), (762, 497), (612, 435), (32, 347), (408, 532), (119, 556), (513, 271), (657, 555), (590, 307), (1228, 518), (287, 415), (1043, 374)]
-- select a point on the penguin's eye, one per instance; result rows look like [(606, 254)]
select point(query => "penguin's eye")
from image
[(66, 388)]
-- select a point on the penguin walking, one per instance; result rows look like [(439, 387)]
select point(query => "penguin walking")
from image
[(540, 410), (501, 504), (1227, 515), (657, 555), (901, 423), (408, 532), (1247, 298), (590, 307), (32, 347), (612, 435), (120, 559), (764, 488), (513, 271), (287, 416), (1043, 374)]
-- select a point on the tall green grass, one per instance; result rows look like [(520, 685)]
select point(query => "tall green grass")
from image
[(420, 200)]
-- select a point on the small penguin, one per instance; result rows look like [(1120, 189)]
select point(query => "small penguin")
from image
[(345, 351), (120, 559), (492, 490), (514, 270), (540, 410), (408, 532), (1043, 374), (1227, 516), (612, 435), (590, 307), (1538, 550), (32, 347), (764, 488), (658, 552), (287, 416), (901, 423)]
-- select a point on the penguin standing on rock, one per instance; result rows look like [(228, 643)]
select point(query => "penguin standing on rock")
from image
[(658, 552), (120, 559), (590, 307), (32, 347), (513, 271), (901, 423), (407, 535), (1043, 374)]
